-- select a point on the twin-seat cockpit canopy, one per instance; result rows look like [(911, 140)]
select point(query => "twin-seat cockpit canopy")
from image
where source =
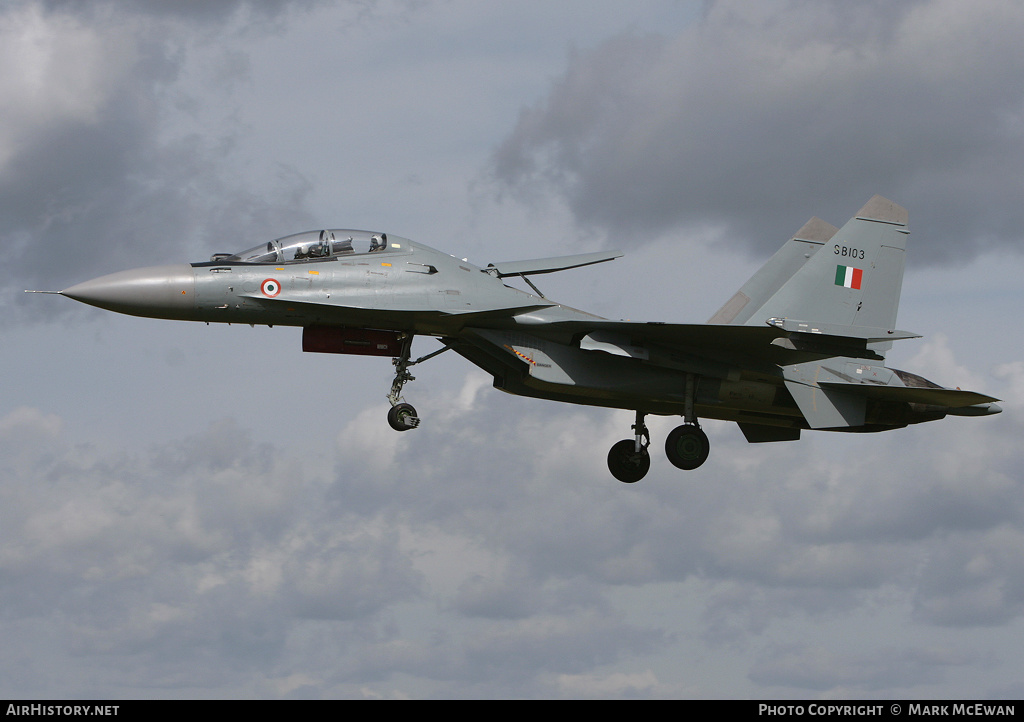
[(313, 245)]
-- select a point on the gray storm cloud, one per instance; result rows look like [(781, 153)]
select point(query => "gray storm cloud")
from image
[(764, 114), (94, 174)]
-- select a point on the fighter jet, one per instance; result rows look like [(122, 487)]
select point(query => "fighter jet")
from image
[(800, 346)]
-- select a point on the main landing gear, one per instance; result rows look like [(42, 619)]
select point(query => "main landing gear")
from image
[(628, 460), (687, 446), (402, 416)]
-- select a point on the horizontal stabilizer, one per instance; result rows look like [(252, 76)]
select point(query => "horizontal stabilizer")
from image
[(550, 265), (951, 398), (868, 334), (827, 408)]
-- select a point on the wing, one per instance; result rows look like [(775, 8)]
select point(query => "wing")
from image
[(780, 344)]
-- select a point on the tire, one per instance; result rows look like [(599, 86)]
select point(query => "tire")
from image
[(399, 417), (626, 464), (687, 447)]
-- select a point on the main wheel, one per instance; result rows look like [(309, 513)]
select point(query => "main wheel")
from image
[(687, 447), (626, 464), (402, 417)]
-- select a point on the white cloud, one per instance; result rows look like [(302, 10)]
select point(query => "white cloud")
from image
[(1013, 374)]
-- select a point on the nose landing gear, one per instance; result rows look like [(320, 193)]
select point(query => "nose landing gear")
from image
[(402, 416)]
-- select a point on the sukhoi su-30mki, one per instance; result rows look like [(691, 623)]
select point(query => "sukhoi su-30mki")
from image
[(800, 346)]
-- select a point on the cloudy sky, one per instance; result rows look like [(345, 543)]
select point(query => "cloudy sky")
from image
[(200, 511)]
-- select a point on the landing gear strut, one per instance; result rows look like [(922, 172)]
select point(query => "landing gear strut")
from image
[(402, 416), (687, 447), (629, 460)]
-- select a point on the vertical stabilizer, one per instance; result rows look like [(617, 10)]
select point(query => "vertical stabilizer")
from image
[(853, 278), (779, 269)]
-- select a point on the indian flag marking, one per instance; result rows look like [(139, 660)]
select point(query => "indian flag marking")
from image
[(849, 277)]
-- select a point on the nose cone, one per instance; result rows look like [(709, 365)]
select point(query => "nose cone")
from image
[(155, 292)]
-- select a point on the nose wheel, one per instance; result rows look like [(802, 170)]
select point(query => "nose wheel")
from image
[(402, 417)]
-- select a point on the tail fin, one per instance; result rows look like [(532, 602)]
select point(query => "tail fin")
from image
[(853, 278), (789, 259)]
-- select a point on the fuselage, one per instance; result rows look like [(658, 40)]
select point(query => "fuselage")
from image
[(404, 286), (531, 345), (800, 346)]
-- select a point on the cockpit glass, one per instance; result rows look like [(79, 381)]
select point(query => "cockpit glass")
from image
[(313, 245)]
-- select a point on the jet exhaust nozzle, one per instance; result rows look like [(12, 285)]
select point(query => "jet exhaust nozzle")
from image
[(976, 410)]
